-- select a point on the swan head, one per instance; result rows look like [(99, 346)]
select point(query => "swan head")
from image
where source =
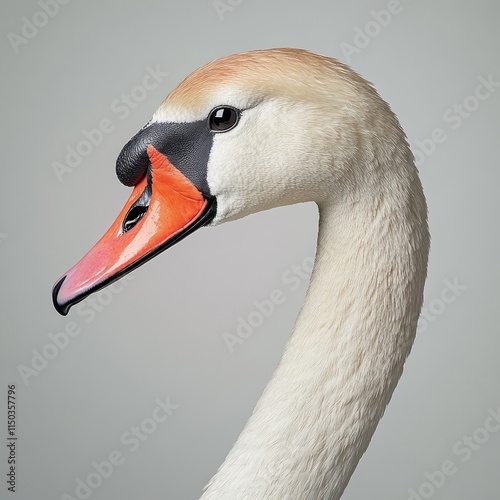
[(241, 134)]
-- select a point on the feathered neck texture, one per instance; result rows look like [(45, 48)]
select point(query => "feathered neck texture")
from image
[(346, 353)]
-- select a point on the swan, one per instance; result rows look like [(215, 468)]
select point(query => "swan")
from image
[(257, 130)]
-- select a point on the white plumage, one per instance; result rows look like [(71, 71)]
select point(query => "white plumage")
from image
[(314, 130), (297, 127)]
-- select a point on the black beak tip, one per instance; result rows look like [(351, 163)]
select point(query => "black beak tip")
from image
[(62, 309)]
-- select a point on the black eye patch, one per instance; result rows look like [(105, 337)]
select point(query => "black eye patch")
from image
[(186, 145)]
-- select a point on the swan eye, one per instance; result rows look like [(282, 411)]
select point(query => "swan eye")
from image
[(223, 119)]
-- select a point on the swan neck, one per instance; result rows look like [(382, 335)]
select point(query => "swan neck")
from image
[(344, 358)]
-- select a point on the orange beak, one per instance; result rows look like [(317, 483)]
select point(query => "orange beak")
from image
[(163, 208)]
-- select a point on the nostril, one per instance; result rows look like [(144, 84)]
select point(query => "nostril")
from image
[(134, 215)]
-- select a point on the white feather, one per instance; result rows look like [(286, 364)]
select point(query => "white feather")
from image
[(312, 129)]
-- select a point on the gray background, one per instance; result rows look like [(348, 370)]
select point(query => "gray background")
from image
[(162, 335)]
